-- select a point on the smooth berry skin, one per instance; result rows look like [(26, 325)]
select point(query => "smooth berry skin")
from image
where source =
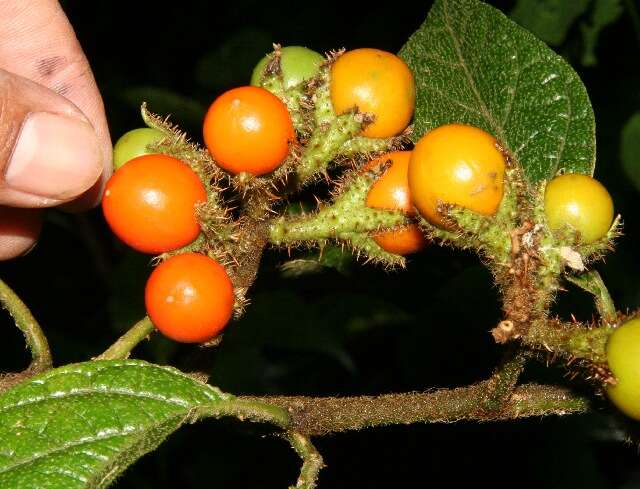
[(391, 191), (248, 130), (150, 203), (459, 165), (581, 203), (375, 82), (623, 358), (133, 144), (189, 298)]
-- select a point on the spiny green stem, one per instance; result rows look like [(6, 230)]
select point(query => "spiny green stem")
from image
[(176, 144), (323, 112), (332, 223), (320, 416), (311, 460), (24, 320), (290, 97), (122, 348), (360, 145), (570, 340), (325, 144), (592, 282), (347, 215), (504, 379), (363, 243)]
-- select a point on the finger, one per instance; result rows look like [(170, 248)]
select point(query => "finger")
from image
[(38, 43), (49, 153), (19, 230)]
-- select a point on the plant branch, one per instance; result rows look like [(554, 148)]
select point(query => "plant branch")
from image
[(592, 282), (122, 348), (504, 379), (320, 416), (325, 143), (24, 320), (572, 340), (311, 460), (259, 411), (348, 214)]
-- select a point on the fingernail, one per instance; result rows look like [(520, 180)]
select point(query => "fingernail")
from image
[(55, 156)]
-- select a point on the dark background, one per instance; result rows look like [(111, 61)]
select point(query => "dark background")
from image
[(347, 329)]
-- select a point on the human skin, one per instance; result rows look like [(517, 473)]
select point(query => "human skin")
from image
[(56, 149)]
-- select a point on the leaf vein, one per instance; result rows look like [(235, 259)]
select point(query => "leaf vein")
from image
[(472, 84)]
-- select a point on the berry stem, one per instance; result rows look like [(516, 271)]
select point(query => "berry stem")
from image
[(348, 214), (325, 144), (257, 410), (360, 145), (311, 460), (176, 144), (121, 349), (292, 98), (25, 322), (592, 282), (504, 379), (570, 340)]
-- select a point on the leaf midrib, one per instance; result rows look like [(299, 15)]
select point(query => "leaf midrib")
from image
[(472, 83)]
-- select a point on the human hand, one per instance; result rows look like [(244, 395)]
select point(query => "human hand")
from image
[(54, 141)]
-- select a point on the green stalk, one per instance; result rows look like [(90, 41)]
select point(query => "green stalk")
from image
[(24, 320), (592, 282), (121, 349)]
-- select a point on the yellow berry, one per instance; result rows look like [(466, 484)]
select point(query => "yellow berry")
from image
[(456, 164), (579, 202)]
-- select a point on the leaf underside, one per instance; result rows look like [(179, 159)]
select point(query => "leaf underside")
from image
[(475, 66)]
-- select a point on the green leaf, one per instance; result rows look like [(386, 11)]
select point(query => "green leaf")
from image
[(604, 12), (548, 19), (81, 425), (630, 149), (475, 66)]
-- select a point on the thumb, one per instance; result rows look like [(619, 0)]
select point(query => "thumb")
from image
[(49, 152)]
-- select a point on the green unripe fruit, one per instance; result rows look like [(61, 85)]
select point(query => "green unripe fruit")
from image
[(623, 357), (133, 144), (297, 63)]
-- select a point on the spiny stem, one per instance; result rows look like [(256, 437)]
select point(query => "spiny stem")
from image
[(320, 416), (348, 214), (122, 348), (592, 282), (333, 223), (505, 377), (572, 340), (325, 144), (24, 320), (311, 460)]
